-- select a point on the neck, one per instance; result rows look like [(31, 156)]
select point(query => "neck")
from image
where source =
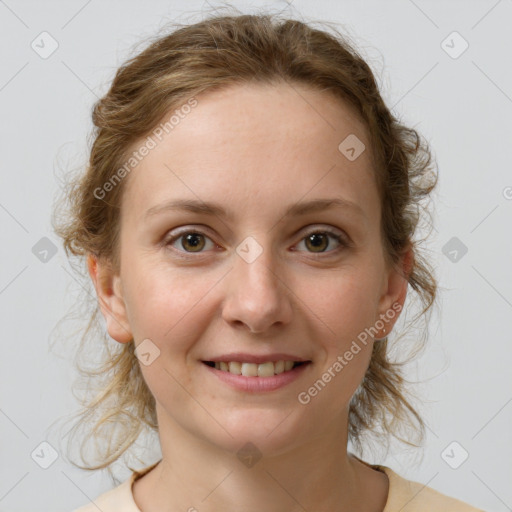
[(195, 474)]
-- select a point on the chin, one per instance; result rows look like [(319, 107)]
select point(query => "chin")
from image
[(266, 432)]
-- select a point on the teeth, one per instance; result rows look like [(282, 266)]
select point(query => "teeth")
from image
[(267, 369), (278, 367), (249, 370), (235, 368)]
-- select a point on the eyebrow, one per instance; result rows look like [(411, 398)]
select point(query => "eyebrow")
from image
[(201, 207)]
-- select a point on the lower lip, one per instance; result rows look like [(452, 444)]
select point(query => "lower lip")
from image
[(258, 384)]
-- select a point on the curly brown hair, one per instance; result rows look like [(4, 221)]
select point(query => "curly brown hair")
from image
[(208, 55)]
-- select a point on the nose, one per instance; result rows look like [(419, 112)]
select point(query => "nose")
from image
[(257, 294)]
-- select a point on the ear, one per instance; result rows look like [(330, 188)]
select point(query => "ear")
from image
[(110, 297), (395, 291)]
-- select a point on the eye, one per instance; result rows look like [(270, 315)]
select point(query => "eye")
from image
[(319, 240), (193, 241)]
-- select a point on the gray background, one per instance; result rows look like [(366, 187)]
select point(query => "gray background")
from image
[(462, 105)]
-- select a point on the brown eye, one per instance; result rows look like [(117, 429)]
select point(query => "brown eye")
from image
[(319, 241), (188, 242), (194, 241)]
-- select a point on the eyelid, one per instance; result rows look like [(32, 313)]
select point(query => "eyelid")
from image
[(171, 239), (339, 235)]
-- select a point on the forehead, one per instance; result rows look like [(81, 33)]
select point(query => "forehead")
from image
[(252, 144)]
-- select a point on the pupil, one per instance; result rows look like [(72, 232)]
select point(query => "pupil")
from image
[(317, 236), (193, 240)]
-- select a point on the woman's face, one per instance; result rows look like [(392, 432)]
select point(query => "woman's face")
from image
[(251, 283)]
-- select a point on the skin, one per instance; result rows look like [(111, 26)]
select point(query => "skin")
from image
[(255, 149)]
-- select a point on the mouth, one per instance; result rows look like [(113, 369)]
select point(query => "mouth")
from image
[(245, 369)]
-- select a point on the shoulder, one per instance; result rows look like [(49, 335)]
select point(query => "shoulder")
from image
[(118, 499), (115, 500), (409, 496)]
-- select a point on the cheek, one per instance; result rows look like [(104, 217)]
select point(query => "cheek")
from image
[(166, 305), (167, 309), (345, 311), (344, 303)]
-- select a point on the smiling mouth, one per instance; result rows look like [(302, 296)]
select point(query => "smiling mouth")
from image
[(267, 369)]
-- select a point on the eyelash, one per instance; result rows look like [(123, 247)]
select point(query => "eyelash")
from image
[(189, 255)]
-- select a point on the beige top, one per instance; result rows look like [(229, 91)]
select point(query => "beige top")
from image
[(403, 496)]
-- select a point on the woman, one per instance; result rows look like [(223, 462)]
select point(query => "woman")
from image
[(248, 218)]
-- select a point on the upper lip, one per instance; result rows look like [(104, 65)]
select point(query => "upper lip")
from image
[(257, 359)]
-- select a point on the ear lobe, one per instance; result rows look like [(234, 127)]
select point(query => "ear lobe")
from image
[(109, 292)]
